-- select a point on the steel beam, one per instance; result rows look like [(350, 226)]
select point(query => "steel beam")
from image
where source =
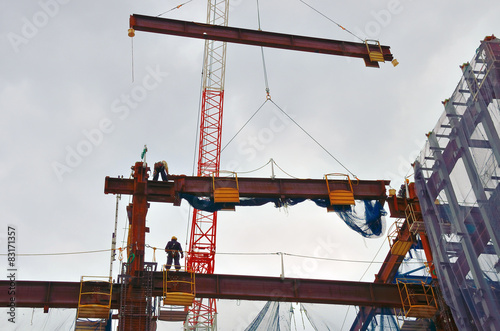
[(168, 191), (256, 37), (42, 294)]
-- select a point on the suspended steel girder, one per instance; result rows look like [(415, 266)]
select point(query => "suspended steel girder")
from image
[(256, 37), (168, 191)]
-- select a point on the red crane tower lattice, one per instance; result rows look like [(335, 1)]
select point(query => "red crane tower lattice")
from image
[(201, 257)]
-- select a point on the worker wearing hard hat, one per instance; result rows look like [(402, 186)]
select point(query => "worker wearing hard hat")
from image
[(173, 250), (161, 168)]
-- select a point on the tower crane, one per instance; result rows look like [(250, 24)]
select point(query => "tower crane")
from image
[(202, 240)]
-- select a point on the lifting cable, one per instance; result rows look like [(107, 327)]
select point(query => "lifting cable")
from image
[(268, 96), (298, 125), (310, 136), (255, 113), (328, 18), (176, 7)]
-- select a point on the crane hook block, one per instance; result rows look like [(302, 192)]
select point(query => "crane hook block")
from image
[(131, 32)]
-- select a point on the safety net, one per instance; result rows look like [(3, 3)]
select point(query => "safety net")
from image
[(365, 217)]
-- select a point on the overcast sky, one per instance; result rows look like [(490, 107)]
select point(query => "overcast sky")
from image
[(74, 111)]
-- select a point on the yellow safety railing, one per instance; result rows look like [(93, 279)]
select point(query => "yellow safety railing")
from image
[(177, 290), (375, 55), (415, 224), (399, 245), (343, 196), (226, 189), (418, 299), (95, 297)]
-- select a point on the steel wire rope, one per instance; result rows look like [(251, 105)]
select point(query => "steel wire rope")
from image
[(176, 7), (266, 80), (255, 113), (328, 18), (317, 142)]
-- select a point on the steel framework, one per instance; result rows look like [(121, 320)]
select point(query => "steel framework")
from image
[(457, 180)]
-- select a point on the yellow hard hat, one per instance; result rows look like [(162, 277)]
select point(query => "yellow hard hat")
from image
[(174, 238)]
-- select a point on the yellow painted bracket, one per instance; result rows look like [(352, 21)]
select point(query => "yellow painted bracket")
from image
[(375, 55), (340, 196), (177, 292), (418, 302), (399, 245), (226, 193), (95, 297)]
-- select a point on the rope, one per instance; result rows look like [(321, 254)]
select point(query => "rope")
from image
[(310, 136), (311, 257), (270, 161), (66, 253), (328, 18), (247, 172), (176, 7), (284, 171), (132, 51)]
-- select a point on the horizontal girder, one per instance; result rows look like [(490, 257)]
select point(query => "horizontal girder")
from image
[(168, 191), (256, 37), (46, 294)]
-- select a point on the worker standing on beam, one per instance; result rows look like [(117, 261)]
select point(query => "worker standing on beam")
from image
[(161, 168), (173, 250)]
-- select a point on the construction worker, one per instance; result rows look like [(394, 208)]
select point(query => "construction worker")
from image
[(173, 249), (161, 168)]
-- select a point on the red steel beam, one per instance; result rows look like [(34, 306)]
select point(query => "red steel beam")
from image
[(256, 37), (38, 294), (167, 191)]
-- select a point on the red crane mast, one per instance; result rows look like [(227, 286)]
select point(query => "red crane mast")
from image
[(202, 241)]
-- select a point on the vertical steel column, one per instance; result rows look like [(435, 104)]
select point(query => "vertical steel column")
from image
[(135, 316), (444, 272), (457, 219), (480, 111)]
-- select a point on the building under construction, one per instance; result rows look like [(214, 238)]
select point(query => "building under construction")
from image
[(450, 211)]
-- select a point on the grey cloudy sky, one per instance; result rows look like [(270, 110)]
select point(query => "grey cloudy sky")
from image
[(78, 104)]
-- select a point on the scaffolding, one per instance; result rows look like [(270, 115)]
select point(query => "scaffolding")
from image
[(457, 182)]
